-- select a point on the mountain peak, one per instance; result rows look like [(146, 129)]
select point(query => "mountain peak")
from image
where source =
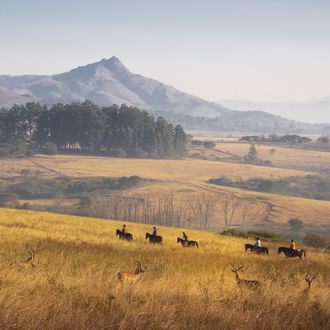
[(113, 63)]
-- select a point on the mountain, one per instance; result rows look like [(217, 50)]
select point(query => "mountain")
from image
[(311, 111), (105, 83), (109, 82)]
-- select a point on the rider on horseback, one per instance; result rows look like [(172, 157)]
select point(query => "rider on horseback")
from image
[(154, 233), (185, 238), (124, 231), (257, 245), (293, 247)]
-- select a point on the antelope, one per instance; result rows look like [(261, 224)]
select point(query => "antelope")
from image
[(28, 263), (244, 283), (309, 279), (127, 276)]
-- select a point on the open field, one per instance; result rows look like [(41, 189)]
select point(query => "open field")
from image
[(74, 283), (305, 160), (185, 178), (160, 169)]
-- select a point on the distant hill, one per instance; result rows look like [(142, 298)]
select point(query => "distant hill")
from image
[(109, 82), (311, 111)]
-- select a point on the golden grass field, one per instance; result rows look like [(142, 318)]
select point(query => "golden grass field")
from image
[(182, 177), (74, 284), (158, 169), (284, 156)]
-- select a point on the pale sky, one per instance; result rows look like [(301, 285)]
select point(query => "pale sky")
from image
[(275, 50)]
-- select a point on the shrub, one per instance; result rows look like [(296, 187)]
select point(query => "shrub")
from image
[(7, 197), (49, 149), (265, 234), (121, 153), (196, 155), (209, 144), (296, 224), (235, 233), (316, 240), (222, 181), (267, 162)]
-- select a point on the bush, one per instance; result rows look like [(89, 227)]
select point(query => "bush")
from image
[(49, 149), (316, 240), (265, 234), (296, 224), (267, 162), (121, 153), (235, 233), (7, 197), (196, 155), (222, 181), (209, 144)]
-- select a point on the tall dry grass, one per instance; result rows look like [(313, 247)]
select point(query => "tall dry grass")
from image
[(74, 284)]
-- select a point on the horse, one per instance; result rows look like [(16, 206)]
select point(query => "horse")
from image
[(262, 250), (154, 239), (289, 253), (187, 243), (126, 236)]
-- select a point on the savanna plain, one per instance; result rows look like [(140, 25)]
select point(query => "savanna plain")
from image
[(74, 284)]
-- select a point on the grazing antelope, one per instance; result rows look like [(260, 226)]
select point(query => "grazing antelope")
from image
[(28, 263), (127, 276), (244, 283), (309, 279)]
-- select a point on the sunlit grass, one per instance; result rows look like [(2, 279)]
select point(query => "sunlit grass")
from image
[(77, 259)]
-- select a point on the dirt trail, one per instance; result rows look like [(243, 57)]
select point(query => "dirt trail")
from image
[(45, 168)]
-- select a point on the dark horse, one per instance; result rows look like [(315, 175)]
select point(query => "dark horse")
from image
[(154, 239), (251, 247), (127, 236), (289, 253), (187, 243)]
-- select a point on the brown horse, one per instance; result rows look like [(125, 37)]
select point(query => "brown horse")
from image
[(126, 236), (187, 243), (154, 239), (289, 253), (261, 250)]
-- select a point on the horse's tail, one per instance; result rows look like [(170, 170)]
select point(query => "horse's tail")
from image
[(197, 245), (304, 253), (246, 247)]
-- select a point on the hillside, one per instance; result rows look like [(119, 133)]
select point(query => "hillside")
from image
[(109, 82), (105, 83), (74, 283), (313, 111), (184, 178)]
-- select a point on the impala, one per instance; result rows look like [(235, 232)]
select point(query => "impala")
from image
[(244, 283), (28, 263), (127, 276), (309, 279)]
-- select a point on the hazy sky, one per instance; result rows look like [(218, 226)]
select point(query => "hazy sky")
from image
[(248, 49)]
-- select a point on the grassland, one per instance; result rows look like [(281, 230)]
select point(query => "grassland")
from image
[(185, 178), (74, 284), (159, 169), (284, 156)]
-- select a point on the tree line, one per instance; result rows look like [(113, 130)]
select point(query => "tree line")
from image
[(86, 127)]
